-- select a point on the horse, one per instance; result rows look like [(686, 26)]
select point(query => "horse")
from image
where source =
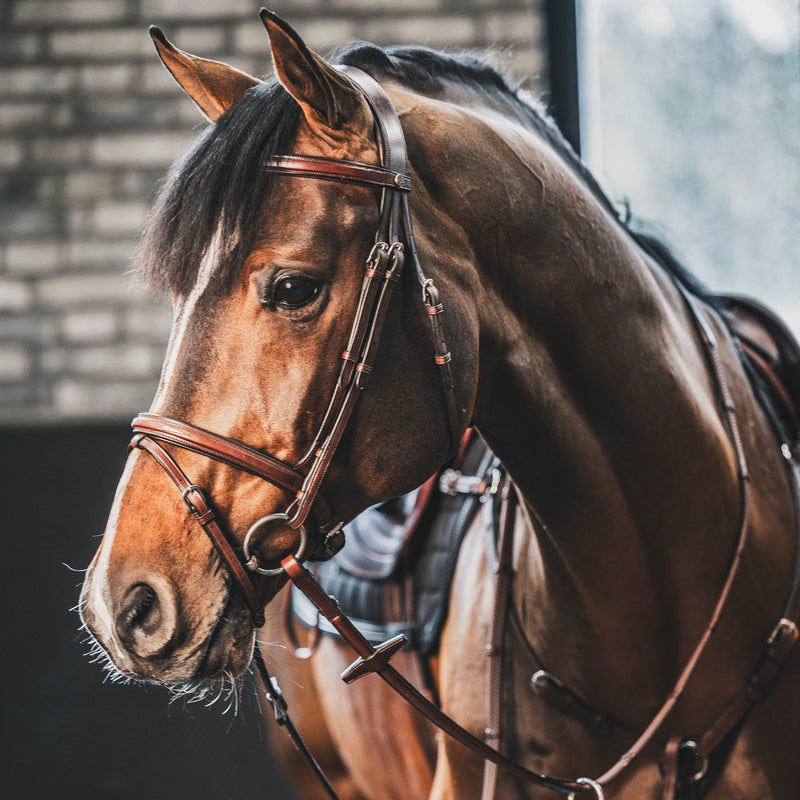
[(651, 532)]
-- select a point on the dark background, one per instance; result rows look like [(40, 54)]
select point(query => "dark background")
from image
[(66, 732)]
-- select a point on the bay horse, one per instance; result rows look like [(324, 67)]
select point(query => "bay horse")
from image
[(654, 548)]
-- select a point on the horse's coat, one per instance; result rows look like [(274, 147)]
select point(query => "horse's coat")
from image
[(574, 355)]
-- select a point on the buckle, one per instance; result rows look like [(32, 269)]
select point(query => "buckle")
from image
[(332, 543), (189, 504), (453, 482), (700, 765), (784, 627)]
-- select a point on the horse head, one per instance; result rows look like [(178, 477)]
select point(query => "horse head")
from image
[(267, 276)]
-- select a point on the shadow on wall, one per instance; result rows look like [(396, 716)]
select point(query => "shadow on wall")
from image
[(67, 733)]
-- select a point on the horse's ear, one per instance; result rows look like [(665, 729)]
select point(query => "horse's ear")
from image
[(214, 86), (329, 101)]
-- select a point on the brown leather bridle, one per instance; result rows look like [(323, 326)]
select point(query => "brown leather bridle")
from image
[(304, 479), (320, 529)]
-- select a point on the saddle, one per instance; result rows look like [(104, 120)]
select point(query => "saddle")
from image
[(395, 575), (771, 357)]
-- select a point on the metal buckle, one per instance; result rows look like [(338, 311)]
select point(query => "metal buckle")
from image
[(189, 504), (593, 785), (251, 559), (698, 774), (497, 477), (453, 482), (333, 541)]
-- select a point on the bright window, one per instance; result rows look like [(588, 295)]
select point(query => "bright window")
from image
[(691, 113)]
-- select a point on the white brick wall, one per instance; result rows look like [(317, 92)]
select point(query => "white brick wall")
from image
[(89, 123)]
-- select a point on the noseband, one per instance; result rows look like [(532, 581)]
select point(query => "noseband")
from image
[(308, 512)]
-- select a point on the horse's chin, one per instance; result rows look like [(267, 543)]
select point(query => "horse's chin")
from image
[(230, 646)]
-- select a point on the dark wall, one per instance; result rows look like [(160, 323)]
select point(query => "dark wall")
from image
[(67, 734), (562, 67)]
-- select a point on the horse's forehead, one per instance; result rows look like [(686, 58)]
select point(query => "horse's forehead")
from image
[(308, 208), (306, 222), (308, 218)]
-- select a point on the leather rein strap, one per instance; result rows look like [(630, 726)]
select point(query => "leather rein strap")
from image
[(376, 660)]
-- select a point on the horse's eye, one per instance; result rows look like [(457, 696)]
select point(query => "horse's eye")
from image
[(294, 291)]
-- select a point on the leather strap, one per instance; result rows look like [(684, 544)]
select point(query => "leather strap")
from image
[(780, 643), (670, 768), (495, 647), (391, 137), (220, 448), (236, 454), (201, 510), (281, 709), (377, 660), (728, 408), (336, 170)]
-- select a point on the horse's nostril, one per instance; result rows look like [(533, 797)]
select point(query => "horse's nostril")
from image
[(143, 622), (141, 610)]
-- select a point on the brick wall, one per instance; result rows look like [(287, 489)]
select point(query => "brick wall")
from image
[(90, 121)]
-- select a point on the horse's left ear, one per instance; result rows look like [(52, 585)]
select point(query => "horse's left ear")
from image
[(214, 86), (329, 101)]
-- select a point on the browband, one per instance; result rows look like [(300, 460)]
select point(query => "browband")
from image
[(336, 170)]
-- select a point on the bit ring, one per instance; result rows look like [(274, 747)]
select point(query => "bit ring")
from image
[(593, 785), (251, 559)]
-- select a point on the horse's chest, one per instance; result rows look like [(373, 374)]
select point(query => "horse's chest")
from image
[(388, 749)]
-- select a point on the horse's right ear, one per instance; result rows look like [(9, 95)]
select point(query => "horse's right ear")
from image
[(214, 86)]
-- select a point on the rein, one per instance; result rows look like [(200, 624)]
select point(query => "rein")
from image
[(394, 242)]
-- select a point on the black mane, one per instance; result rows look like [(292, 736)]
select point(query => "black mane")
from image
[(220, 184)]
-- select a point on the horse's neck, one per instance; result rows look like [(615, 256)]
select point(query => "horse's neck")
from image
[(594, 391), (593, 384)]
